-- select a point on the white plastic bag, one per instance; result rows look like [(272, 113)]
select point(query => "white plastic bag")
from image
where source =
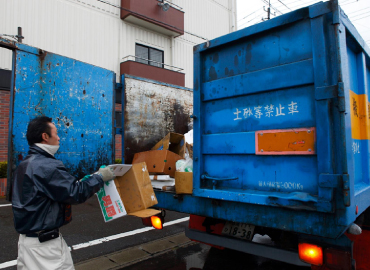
[(184, 165), (189, 137)]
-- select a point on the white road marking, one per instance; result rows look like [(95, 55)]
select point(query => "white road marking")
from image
[(106, 239), (121, 235), (8, 264), (3, 205)]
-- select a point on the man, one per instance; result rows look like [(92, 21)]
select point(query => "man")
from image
[(42, 194)]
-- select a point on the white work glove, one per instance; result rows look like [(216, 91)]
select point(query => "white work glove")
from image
[(106, 174), (354, 229)]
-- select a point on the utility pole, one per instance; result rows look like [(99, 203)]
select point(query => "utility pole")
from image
[(268, 12)]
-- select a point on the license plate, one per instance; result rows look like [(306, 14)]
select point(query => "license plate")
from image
[(238, 230)]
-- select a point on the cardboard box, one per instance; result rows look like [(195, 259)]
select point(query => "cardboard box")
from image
[(189, 147), (173, 142), (158, 161), (129, 194), (184, 182)]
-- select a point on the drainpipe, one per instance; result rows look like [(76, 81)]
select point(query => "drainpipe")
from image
[(232, 8), (172, 52), (234, 15)]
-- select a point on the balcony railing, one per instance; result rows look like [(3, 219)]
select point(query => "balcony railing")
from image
[(172, 4), (153, 70), (151, 63)]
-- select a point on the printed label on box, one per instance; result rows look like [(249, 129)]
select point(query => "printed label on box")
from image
[(110, 202)]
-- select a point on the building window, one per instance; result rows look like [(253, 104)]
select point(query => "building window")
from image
[(5, 79), (149, 56)]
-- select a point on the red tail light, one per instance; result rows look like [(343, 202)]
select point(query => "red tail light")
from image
[(311, 254), (157, 222)]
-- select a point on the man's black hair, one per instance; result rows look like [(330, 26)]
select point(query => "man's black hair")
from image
[(36, 127)]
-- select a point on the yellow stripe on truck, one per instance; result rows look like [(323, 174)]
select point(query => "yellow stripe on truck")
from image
[(360, 116)]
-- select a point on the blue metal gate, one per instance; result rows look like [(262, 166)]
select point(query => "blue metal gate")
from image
[(79, 97)]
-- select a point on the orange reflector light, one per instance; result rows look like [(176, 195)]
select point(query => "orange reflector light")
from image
[(311, 254), (157, 222)]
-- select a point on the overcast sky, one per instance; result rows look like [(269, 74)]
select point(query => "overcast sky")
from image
[(250, 12)]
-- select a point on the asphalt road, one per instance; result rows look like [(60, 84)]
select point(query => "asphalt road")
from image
[(203, 257), (88, 225)]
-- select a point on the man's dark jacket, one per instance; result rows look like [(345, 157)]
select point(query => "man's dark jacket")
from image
[(43, 189)]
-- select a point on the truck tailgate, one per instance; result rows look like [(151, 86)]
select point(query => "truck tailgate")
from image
[(281, 124)]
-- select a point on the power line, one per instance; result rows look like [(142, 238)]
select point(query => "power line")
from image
[(358, 11), (284, 5), (287, 2), (253, 18), (304, 4), (276, 10), (361, 18), (357, 15), (345, 1), (364, 26), (297, 5), (151, 19), (356, 1), (256, 16), (249, 14)]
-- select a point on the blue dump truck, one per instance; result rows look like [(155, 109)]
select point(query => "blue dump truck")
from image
[(281, 134), (281, 140)]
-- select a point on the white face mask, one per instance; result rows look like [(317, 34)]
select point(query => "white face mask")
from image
[(51, 149)]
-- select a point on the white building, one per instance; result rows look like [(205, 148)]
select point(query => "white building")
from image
[(149, 39), (93, 31)]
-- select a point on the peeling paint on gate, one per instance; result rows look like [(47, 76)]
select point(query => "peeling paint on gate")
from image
[(79, 98)]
